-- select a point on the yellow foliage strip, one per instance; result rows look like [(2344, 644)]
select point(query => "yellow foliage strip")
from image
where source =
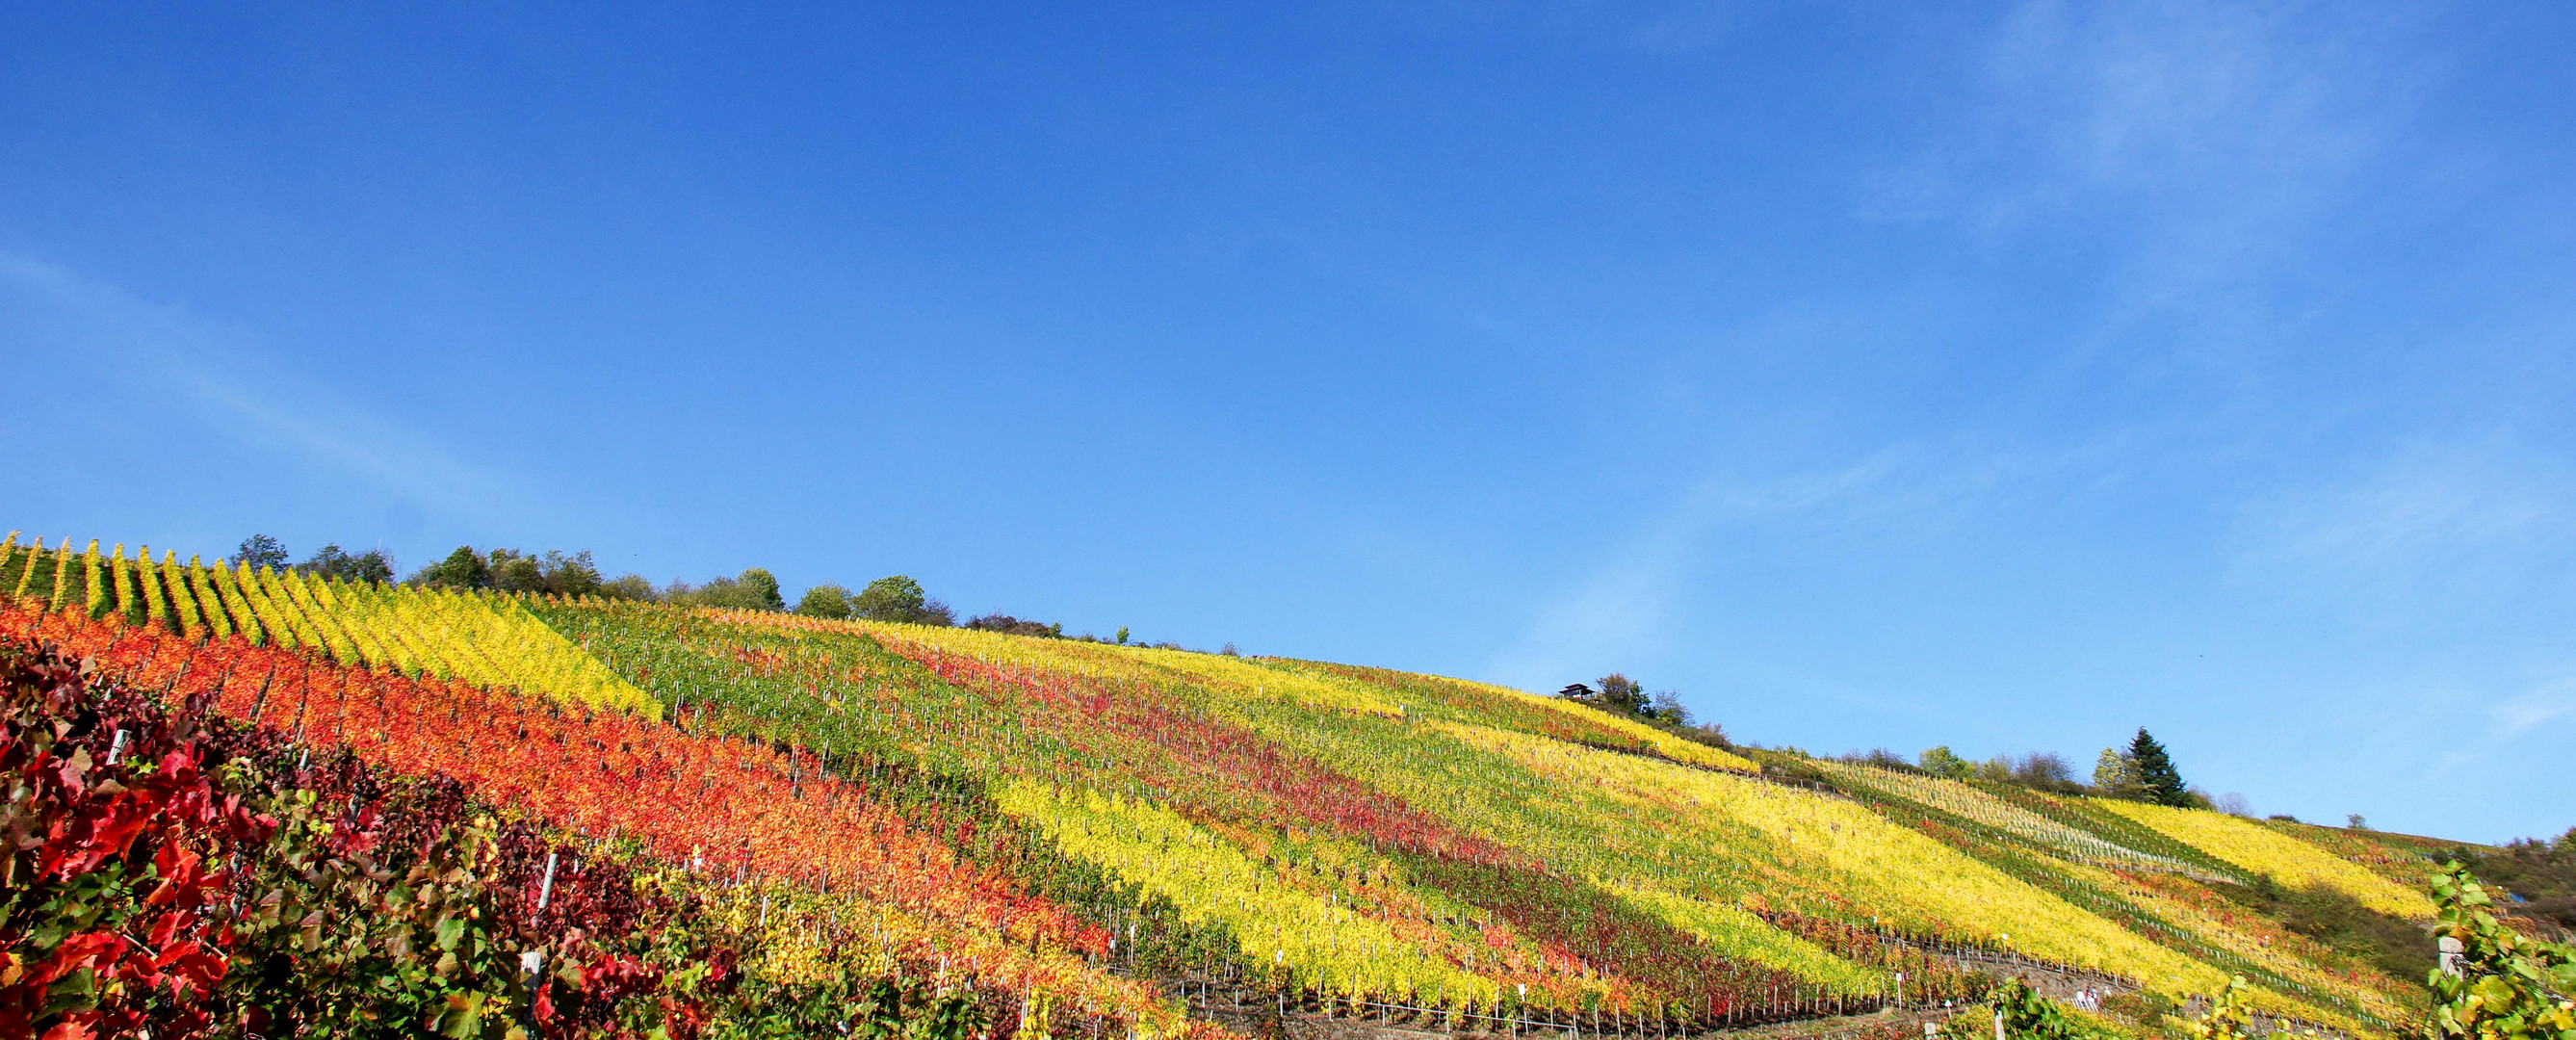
[(2212, 919), (183, 598), (1668, 745), (2254, 847), (226, 598), (2401, 858), (1451, 931), (1132, 664), (1208, 878), (295, 591), (487, 640), (1737, 933), (1499, 702), (281, 621), (1858, 852), (1967, 802), (483, 639), (1236, 675), (210, 603)]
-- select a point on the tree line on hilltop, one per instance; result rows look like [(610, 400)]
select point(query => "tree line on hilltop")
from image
[(892, 598), (1616, 694), (2140, 771), (2143, 771)]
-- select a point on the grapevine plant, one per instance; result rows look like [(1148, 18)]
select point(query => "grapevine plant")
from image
[(2508, 986), (173, 873), (339, 808)]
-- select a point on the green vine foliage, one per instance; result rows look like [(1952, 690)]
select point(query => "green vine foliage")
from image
[(166, 873), (347, 941), (2026, 1016), (865, 1009), (2510, 986), (2227, 1017)]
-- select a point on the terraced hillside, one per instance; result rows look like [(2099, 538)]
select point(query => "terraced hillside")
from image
[(1106, 832)]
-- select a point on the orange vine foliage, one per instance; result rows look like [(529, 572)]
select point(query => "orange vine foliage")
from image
[(726, 807)]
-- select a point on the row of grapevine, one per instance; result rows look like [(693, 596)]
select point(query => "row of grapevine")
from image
[(726, 809), (481, 638), (1961, 800), (2260, 850), (1462, 784), (1208, 877), (1553, 717), (775, 676), (189, 876), (1033, 815), (1919, 884), (2089, 899)]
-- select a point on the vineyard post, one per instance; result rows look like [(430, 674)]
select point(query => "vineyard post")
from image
[(261, 701)]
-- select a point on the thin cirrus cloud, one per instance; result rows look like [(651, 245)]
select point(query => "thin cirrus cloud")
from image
[(2156, 104), (2427, 527), (1622, 606), (2521, 714), (2208, 138), (200, 377)]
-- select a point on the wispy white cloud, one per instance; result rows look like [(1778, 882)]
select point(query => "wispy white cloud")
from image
[(223, 381), (2218, 110), (2439, 499), (1623, 604), (2540, 706), (2415, 530), (2201, 151)]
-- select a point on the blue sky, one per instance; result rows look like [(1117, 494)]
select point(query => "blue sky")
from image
[(2004, 377)]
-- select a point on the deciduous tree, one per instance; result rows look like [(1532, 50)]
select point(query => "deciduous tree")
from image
[(824, 601), (899, 598), (1945, 763), (2115, 774), (339, 564), (260, 550)]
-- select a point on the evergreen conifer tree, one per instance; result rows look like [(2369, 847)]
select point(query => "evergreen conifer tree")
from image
[(2156, 775)]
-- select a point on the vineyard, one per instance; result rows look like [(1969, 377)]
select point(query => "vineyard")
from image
[(280, 805)]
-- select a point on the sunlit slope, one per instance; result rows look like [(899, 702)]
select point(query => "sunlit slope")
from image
[(1363, 830), (2261, 850), (1703, 870), (484, 639), (1505, 774), (1815, 843), (1291, 712), (2401, 858), (2148, 882), (1105, 765), (1501, 707)]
